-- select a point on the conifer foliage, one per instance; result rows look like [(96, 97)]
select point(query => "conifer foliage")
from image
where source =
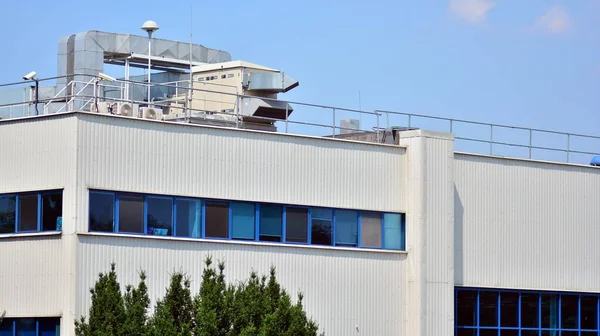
[(255, 307)]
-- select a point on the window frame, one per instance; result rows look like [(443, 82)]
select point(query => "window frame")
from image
[(308, 225), (39, 206)]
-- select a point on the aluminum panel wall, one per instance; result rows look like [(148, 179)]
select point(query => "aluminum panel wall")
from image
[(158, 157), (32, 277), (346, 292), (526, 224)]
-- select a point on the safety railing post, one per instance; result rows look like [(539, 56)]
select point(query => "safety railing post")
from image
[(530, 142), (377, 132), (286, 117), (568, 146), (409, 120), (491, 139), (451, 126), (333, 125)]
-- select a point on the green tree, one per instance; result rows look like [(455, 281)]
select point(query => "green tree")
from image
[(107, 312), (174, 314), (212, 305), (136, 302)]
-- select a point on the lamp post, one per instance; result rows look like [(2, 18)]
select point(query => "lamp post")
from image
[(149, 27)]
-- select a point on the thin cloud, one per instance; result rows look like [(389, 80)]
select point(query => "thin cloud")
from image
[(555, 21), (471, 11)]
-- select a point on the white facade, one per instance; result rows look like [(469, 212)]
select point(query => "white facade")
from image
[(471, 221)]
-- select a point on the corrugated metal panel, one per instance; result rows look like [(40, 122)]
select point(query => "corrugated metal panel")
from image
[(32, 276), (524, 224), (343, 290), (140, 156)]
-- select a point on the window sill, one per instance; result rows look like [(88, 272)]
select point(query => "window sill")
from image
[(30, 234), (242, 242)]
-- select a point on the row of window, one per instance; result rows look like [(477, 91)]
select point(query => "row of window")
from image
[(527, 313), (209, 78), (31, 212), (218, 219), (47, 326)]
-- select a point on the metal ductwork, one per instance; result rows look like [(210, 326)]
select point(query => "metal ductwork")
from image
[(273, 82)]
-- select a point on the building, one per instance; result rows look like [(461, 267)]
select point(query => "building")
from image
[(392, 234)]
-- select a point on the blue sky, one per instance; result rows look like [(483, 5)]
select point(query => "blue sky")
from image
[(531, 63)]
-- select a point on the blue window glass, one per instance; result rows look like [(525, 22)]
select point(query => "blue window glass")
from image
[(102, 211), (189, 218), (26, 327), (346, 228), (216, 219), (160, 216), (131, 213), (243, 220), (370, 229), (270, 222), (8, 213), (49, 326), (51, 211), (28, 213), (296, 225), (6, 327), (321, 226), (392, 231)]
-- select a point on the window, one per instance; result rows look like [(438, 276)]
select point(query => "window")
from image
[(496, 312), (8, 214), (393, 231), (270, 222), (217, 219), (370, 229), (160, 216), (28, 213), (243, 221), (189, 218), (52, 212), (102, 211), (321, 226), (131, 213), (229, 75), (296, 227), (47, 326), (223, 76), (346, 228)]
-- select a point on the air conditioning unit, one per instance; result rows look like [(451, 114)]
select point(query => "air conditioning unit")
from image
[(153, 113), (101, 107), (126, 109)]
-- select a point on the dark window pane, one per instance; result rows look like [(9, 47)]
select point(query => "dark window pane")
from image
[(529, 333), (509, 309), (49, 326), (466, 332), (346, 228), (529, 310), (189, 218), (102, 213), (296, 220), (270, 222), (321, 226), (52, 212), (589, 333), (550, 332), (549, 311), (160, 216), (28, 212), (243, 220), (393, 231), (370, 229), (568, 333), (466, 307), (505, 332), (569, 311), (6, 327), (131, 213), (488, 308), (26, 327), (488, 332), (217, 220), (8, 211), (589, 312)]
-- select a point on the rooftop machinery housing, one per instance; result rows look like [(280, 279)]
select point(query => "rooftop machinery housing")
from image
[(387, 231)]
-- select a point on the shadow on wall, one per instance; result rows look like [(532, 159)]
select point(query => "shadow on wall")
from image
[(458, 239)]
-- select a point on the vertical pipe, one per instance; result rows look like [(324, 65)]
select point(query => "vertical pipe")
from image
[(530, 141), (286, 117), (409, 117), (451, 125), (377, 133), (333, 126), (387, 119), (126, 93), (149, 63)]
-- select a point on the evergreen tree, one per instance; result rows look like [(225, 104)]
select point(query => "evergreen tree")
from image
[(213, 302), (136, 303), (174, 313), (107, 312)]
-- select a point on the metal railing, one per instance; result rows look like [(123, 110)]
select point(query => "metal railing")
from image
[(311, 119)]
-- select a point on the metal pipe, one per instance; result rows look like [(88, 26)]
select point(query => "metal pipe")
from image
[(333, 126), (491, 139), (286, 117), (149, 63), (530, 142), (568, 146)]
